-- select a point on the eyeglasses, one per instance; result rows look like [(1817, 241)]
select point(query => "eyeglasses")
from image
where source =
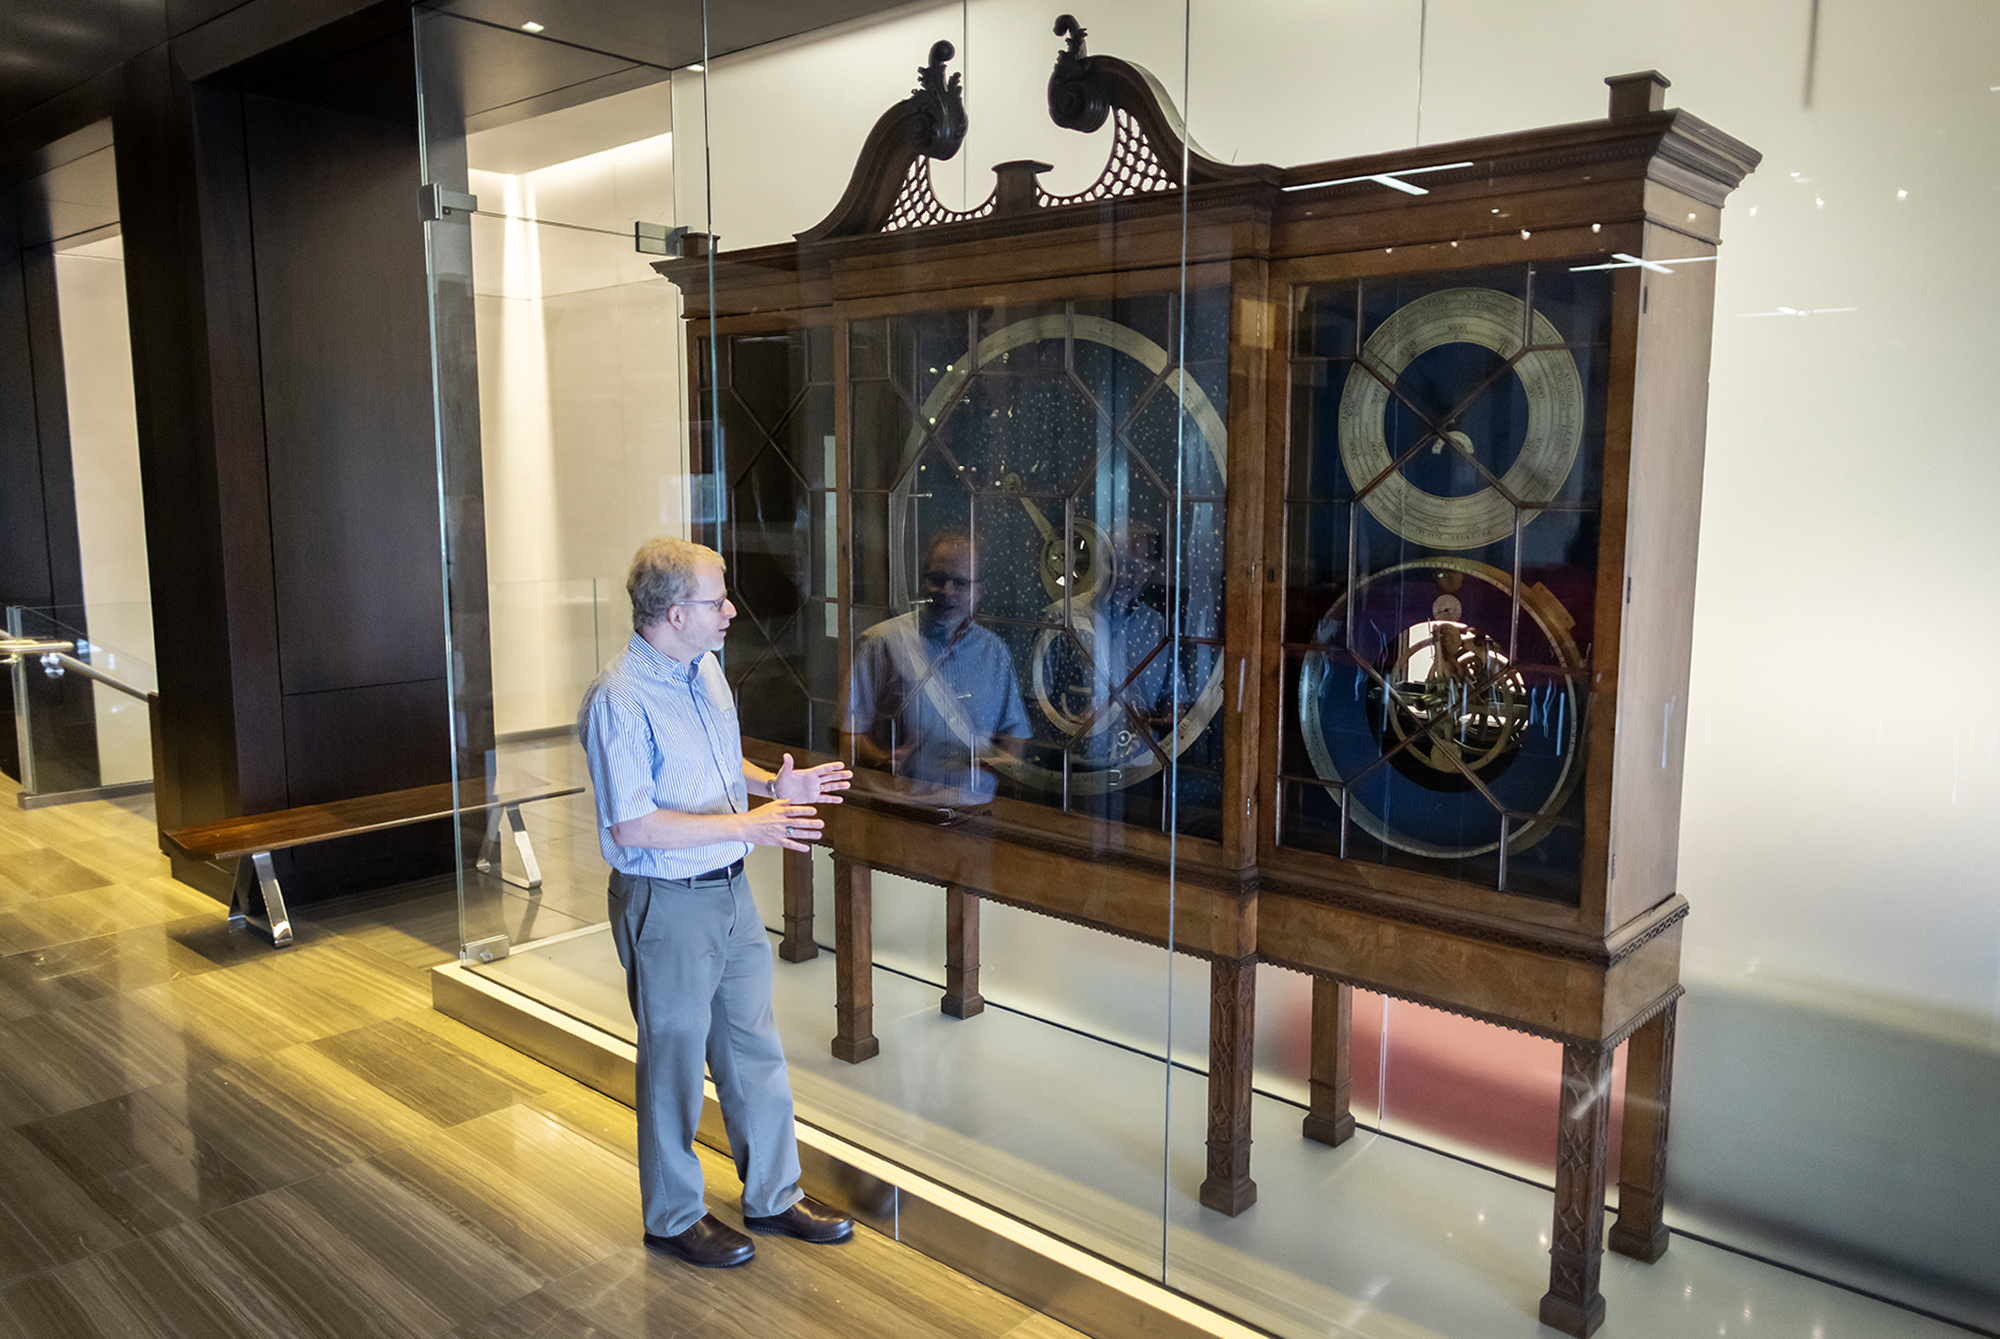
[(715, 604)]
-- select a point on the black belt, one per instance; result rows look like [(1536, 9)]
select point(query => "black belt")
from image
[(723, 875)]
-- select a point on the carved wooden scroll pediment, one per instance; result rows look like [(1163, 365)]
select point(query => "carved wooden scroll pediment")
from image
[(1151, 149)]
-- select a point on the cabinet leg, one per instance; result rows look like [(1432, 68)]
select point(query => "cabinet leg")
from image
[(961, 954), (1641, 1229), (797, 944), (853, 957), (1328, 1120), (1232, 1011), (1583, 1141)]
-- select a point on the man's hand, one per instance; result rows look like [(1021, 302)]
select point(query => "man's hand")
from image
[(792, 826), (815, 785)]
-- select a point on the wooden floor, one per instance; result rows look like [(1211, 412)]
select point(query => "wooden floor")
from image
[(204, 1137)]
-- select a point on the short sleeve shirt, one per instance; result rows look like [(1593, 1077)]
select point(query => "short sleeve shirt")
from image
[(658, 734)]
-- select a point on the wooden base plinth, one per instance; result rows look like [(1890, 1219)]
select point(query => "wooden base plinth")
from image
[(1561, 1314), (1330, 1130), (1643, 1247), (855, 1050), (853, 962), (961, 955), (1231, 1196), (962, 1008), (797, 944)]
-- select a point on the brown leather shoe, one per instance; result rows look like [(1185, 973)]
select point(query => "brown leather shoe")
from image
[(808, 1220), (710, 1243)]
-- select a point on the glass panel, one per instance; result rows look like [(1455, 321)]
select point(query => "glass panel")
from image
[(1456, 447), (81, 715), (974, 538), (561, 424)]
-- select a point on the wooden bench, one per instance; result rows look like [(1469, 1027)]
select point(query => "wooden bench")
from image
[(251, 839)]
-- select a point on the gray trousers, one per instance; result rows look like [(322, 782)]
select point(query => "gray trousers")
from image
[(698, 972)]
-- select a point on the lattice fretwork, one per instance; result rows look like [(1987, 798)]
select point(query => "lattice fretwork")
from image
[(917, 205), (1132, 169)]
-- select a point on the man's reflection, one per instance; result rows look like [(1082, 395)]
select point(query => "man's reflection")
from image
[(1115, 682), (933, 696)]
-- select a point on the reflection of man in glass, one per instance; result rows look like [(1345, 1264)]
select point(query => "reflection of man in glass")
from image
[(933, 695), (1129, 672)]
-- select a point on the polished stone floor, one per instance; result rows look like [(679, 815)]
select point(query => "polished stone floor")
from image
[(202, 1137)]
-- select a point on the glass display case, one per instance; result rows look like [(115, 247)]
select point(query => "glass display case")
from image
[(1199, 562)]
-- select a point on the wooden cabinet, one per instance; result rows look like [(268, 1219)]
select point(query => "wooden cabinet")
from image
[(1337, 523)]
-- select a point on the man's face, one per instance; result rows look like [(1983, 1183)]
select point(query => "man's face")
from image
[(949, 582), (703, 618)]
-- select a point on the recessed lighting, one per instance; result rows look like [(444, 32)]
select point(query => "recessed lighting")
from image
[(1393, 180), (696, 68), (1597, 227), (531, 27), (1902, 195), (1690, 218), (1524, 234)]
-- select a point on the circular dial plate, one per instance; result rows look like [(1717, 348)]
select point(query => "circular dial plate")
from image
[(1431, 727), (1492, 320), (1093, 659)]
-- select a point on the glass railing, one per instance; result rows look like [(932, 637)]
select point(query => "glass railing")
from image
[(82, 678)]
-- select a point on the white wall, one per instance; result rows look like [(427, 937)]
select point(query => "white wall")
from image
[(582, 409), (110, 513)]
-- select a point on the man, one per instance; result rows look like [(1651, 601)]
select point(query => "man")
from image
[(933, 696), (672, 789)]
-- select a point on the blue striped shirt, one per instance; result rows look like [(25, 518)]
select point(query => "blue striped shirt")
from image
[(662, 735)]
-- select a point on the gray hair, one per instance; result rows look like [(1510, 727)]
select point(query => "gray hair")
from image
[(663, 575)]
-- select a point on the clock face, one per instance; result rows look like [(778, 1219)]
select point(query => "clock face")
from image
[(1088, 465), (1441, 532)]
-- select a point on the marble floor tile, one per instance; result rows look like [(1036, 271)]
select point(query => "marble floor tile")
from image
[(545, 1157), (35, 874), (553, 1233), (525, 1072), (422, 1070), (331, 1281), (296, 1114), (45, 1217), (136, 1159), (64, 918), (40, 980), (408, 1236), (91, 1052)]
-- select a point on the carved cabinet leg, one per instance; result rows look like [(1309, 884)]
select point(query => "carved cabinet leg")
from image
[(1583, 1143), (1232, 1010), (961, 954), (797, 944), (1641, 1229), (1328, 1120), (853, 958)]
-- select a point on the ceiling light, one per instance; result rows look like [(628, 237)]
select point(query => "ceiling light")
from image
[(531, 27), (1393, 180), (1795, 311), (1621, 261), (696, 68), (1902, 195)]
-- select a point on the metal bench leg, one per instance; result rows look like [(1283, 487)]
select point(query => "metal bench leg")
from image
[(511, 815), (275, 920)]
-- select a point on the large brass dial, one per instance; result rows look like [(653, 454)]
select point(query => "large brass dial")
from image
[(1535, 354)]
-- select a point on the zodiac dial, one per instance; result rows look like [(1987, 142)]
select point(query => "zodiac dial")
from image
[(1063, 431), (1493, 320)]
